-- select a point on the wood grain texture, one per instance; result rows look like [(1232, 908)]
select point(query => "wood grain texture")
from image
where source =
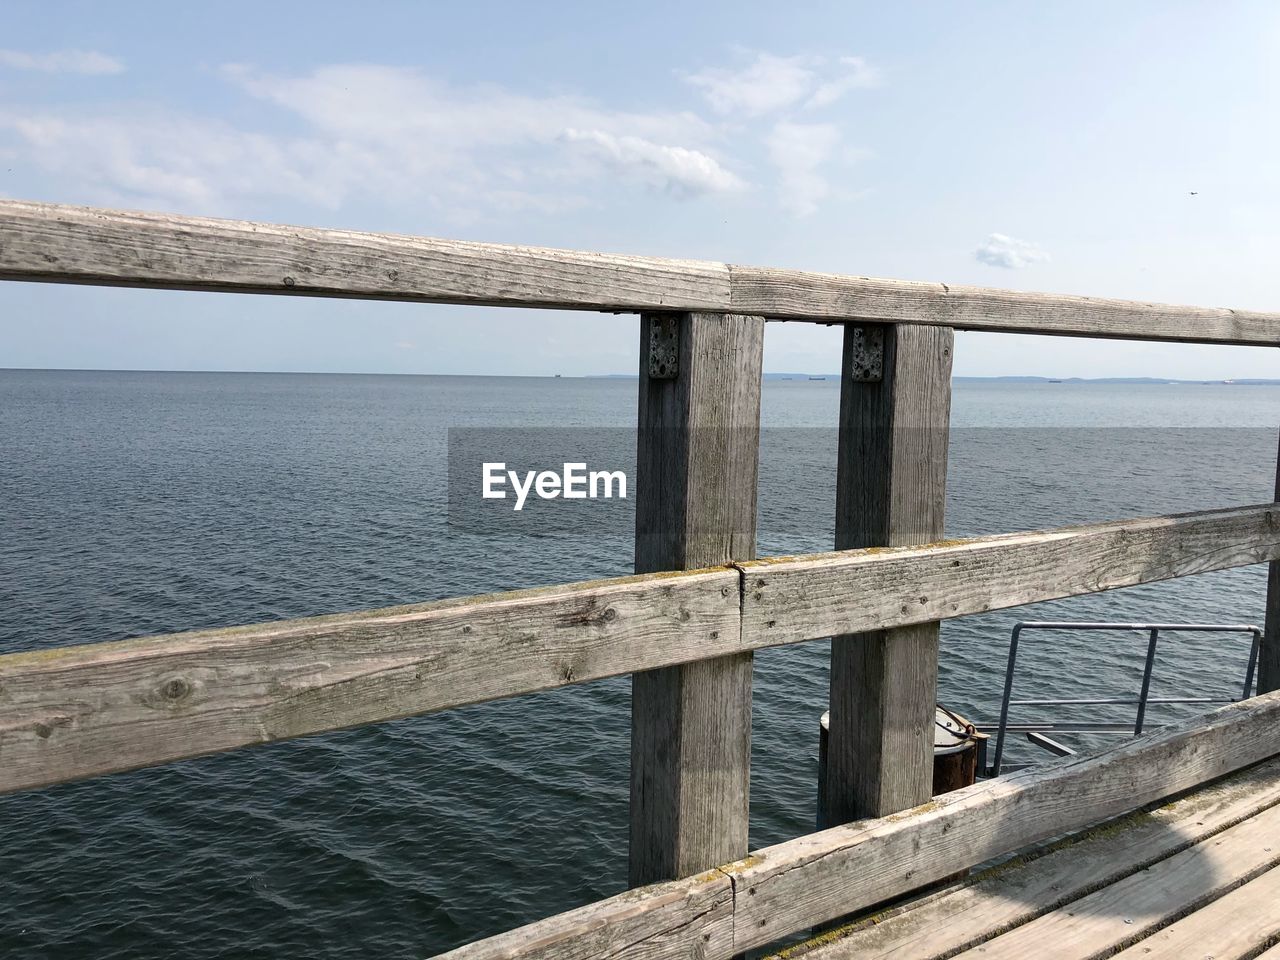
[(1006, 896), (813, 879), (799, 295), (698, 442), (891, 469), (822, 876), (696, 466), (74, 712), (1098, 924), (1269, 653), (58, 243), (676, 920), (890, 491), (80, 711), (798, 598), (1232, 928), (66, 244)]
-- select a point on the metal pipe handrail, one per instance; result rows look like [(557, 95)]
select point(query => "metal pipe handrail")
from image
[(1123, 701), (1144, 698)]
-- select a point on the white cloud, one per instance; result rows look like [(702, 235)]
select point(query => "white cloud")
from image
[(154, 158), (418, 122), (61, 61), (376, 132), (789, 88), (352, 133), (395, 104), (1009, 253), (676, 170), (770, 83), (857, 75), (799, 151)]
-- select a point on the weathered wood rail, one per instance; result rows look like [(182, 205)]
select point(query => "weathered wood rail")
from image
[(56, 243), (686, 635), (78, 711), (820, 877)]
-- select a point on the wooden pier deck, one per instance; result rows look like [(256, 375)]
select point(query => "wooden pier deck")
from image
[(1195, 877), (1192, 878)]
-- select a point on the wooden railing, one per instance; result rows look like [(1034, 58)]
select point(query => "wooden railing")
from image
[(811, 880), (687, 627), (65, 244), (79, 711)]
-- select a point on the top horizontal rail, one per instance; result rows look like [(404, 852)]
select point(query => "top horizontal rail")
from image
[(56, 243)]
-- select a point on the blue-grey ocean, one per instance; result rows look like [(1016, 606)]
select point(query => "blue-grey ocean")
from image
[(145, 503)]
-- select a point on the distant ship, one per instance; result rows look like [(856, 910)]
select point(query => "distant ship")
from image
[(817, 378)]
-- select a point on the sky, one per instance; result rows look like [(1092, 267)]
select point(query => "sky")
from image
[(1126, 150)]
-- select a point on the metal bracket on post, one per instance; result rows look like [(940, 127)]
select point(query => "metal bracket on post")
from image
[(866, 359), (664, 347)]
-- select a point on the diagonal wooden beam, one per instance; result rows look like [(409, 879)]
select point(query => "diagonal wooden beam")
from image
[(813, 879)]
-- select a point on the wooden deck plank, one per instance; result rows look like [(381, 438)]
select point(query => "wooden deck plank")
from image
[(1143, 902), (60, 243), (1231, 928), (1012, 894)]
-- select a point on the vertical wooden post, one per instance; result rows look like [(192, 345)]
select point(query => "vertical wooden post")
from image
[(895, 404), (1269, 654), (696, 468)]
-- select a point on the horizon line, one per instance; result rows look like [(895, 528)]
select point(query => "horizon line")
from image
[(623, 376)]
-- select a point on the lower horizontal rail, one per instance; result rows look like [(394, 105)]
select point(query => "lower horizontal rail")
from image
[(1122, 701), (1140, 627), (73, 712), (817, 878)]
